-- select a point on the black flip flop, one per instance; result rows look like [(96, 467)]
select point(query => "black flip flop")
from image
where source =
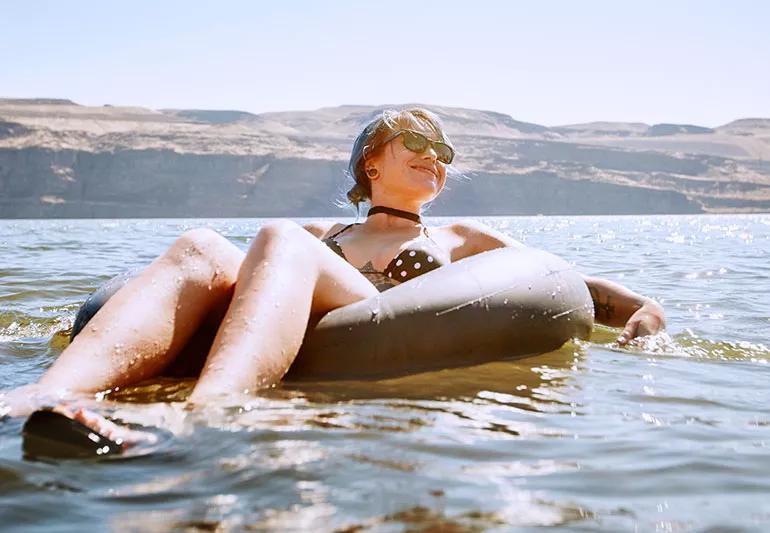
[(48, 434)]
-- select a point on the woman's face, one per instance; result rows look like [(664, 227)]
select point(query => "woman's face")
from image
[(414, 177)]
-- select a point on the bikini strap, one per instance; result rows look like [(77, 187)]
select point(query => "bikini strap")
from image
[(425, 231), (332, 237)]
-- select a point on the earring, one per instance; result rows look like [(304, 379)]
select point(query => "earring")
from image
[(371, 172)]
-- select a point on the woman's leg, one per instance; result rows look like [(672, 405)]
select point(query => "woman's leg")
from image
[(143, 327), (287, 276)]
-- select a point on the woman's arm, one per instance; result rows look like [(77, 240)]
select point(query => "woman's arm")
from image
[(319, 229), (476, 238), (614, 305), (618, 306)]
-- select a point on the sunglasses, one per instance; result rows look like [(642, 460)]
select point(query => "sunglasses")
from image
[(418, 143)]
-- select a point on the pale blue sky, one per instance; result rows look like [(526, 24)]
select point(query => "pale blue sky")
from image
[(550, 62)]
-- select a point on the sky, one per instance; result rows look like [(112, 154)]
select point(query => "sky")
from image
[(549, 62)]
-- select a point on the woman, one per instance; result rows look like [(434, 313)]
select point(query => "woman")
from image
[(262, 300)]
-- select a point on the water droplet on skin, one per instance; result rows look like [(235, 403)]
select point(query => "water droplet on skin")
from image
[(214, 367)]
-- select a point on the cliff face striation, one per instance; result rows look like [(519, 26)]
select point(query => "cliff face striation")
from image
[(60, 159)]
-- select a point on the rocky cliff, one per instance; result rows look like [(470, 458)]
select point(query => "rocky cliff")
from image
[(60, 159)]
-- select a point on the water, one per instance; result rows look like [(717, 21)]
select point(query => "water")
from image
[(671, 435)]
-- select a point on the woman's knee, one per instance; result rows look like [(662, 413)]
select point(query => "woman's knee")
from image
[(205, 247), (281, 234), (280, 229)]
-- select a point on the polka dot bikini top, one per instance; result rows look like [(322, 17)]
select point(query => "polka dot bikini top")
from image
[(408, 264)]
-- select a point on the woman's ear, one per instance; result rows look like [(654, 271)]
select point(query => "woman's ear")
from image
[(372, 168)]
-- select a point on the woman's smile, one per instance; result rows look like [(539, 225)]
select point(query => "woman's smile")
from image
[(426, 170)]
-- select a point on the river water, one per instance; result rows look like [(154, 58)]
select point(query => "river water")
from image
[(672, 434)]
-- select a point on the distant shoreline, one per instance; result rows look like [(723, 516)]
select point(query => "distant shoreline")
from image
[(62, 160)]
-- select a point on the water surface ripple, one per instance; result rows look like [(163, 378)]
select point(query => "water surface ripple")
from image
[(669, 435)]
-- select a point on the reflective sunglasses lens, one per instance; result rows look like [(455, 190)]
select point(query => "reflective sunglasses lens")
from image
[(415, 142), (444, 152)]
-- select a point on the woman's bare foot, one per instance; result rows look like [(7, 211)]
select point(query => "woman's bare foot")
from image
[(24, 400), (121, 435)]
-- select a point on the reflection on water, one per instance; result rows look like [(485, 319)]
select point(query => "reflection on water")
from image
[(671, 433)]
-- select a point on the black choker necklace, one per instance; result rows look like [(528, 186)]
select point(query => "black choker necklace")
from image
[(395, 212)]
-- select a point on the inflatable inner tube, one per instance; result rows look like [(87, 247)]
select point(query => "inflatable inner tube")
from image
[(504, 304)]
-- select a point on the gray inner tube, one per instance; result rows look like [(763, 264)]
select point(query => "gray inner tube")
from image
[(504, 304)]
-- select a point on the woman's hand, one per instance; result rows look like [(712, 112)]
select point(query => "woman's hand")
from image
[(647, 320), (618, 306)]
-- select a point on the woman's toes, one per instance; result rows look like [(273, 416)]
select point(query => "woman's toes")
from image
[(107, 428), (91, 420)]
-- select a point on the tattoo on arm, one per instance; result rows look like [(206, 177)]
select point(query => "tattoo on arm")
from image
[(604, 310)]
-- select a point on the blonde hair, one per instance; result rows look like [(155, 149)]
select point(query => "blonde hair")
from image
[(369, 143)]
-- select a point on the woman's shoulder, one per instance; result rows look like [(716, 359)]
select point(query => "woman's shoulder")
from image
[(477, 237), (323, 228)]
